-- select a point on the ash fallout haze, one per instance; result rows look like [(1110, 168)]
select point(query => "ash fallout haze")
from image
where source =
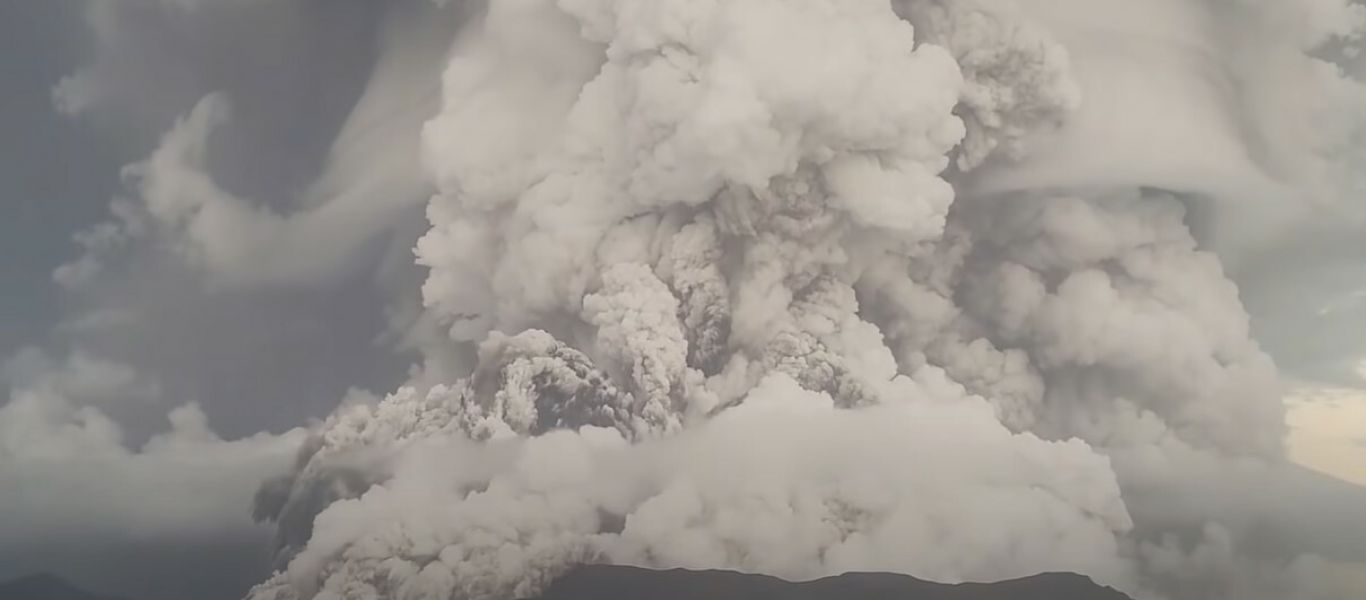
[(429, 300)]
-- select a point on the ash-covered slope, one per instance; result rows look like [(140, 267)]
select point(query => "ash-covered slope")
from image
[(45, 587), (629, 583)]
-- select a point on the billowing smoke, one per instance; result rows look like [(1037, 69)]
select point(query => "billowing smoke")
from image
[(737, 296), (800, 287)]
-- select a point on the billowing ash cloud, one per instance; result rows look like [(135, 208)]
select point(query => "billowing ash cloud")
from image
[(798, 287), (808, 287)]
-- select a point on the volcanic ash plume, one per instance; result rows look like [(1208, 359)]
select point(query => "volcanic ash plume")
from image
[(721, 308)]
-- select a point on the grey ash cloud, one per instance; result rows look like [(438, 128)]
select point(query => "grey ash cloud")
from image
[(462, 295)]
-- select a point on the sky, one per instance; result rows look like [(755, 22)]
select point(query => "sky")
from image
[(291, 257)]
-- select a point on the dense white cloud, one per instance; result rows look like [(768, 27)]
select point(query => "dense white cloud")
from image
[(805, 165), (785, 484), (1229, 100)]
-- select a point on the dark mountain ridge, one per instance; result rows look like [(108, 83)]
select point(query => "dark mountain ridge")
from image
[(629, 583)]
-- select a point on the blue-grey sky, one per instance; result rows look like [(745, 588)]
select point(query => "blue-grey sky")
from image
[(57, 174)]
